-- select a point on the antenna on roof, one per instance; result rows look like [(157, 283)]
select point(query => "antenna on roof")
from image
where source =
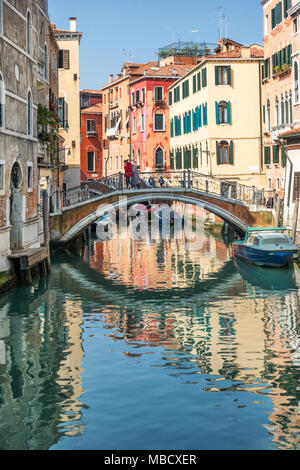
[(125, 56), (221, 18)]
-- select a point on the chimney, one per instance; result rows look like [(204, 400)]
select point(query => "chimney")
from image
[(246, 52), (111, 77), (119, 75), (73, 26)]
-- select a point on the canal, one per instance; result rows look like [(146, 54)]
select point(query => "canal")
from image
[(147, 344)]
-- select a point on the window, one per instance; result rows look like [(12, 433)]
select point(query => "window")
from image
[(29, 176), (170, 98), (2, 102), (90, 161), (176, 94), (276, 15), (142, 123), (178, 157), (185, 89), (132, 98), (195, 157), (266, 24), (177, 126), (296, 86), (223, 112), (90, 126), (63, 59), (276, 154), (2, 175), (204, 114), (296, 194), (187, 122), (266, 69), (268, 116), (158, 120), (158, 93), (277, 184), (282, 110), (159, 158), (224, 153), (29, 115), (29, 33), (269, 183), (46, 74), (204, 77), (286, 104), (197, 118), (63, 113), (287, 6), (134, 125), (295, 25), (276, 111), (133, 157), (138, 158), (137, 96), (267, 152), (143, 95), (223, 75), (291, 108)]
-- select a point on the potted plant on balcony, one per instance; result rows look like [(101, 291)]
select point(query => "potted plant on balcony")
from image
[(48, 128)]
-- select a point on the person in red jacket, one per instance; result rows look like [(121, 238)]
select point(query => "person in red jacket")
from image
[(128, 173)]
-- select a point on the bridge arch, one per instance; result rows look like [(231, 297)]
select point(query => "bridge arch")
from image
[(121, 199)]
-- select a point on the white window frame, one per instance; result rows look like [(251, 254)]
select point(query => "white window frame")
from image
[(29, 181), (266, 24), (93, 152), (93, 131), (142, 122), (143, 95), (294, 83), (162, 88), (134, 125), (164, 123)]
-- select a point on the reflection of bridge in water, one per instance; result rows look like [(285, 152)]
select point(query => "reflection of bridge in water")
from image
[(80, 207)]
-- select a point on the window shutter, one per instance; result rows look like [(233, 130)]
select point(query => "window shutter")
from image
[(171, 160), (273, 18), (218, 153), (231, 153), (217, 74), (289, 54), (217, 113), (194, 84), (199, 116), (172, 128), (229, 74), (283, 157), (263, 72), (229, 112), (66, 59), (204, 78), (264, 114), (276, 154), (198, 81), (170, 98)]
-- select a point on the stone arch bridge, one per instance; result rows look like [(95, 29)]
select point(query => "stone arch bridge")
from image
[(74, 211)]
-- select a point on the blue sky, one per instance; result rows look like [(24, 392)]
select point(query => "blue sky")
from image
[(115, 31)]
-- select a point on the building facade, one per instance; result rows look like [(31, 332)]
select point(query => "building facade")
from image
[(150, 121), (290, 139), (277, 89), (91, 143), (69, 100), (23, 42), (215, 116)]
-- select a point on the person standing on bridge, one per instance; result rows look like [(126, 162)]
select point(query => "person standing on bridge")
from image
[(135, 180), (128, 173)]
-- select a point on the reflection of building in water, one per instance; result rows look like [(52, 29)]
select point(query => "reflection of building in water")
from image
[(283, 332), (40, 383), (152, 264)]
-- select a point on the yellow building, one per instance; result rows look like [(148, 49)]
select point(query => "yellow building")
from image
[(215, 112), (69, 99)]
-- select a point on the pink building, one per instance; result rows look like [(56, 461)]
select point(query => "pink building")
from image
[(277, 89)]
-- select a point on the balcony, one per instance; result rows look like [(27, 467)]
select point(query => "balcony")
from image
[(277, 130), (112, 132), (91, 133), (285, 69)]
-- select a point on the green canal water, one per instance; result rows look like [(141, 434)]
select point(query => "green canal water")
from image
[(146, 344)]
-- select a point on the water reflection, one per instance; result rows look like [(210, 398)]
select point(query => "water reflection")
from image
[(225, 331)]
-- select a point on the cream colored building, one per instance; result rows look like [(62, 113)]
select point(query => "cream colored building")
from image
[(215, 112), (69, 99)]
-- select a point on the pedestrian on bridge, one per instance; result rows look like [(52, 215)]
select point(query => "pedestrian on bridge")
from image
[(135, 180), (128, 173), (161, 182)]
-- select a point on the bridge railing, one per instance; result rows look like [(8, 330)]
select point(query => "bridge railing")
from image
[(186, 179)]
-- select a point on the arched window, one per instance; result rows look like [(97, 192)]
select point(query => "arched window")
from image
[(268, 116), (291, 108), (282, 109), (2, 102), (296, 86), (29, 33), (159, 158), (286, 104), (223, 152), (276, 111), (139, 158), (223, 112), (46, 63), (29, 115), (159, 124)]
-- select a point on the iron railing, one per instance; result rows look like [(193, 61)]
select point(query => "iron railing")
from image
[(185, 179)]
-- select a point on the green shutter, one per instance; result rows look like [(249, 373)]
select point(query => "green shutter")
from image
[(178, 160), (289, 54), (283, 157), (170, 98), (172, 128), (273, 18), (194, 84), (217, 74), (198, 81), (217, 113), (231, 153), (267, 156), (264, 114), (229, 74), (195, 157), (172, 160), (218, 153), (276, 154), (229, 112), (204, 78)]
